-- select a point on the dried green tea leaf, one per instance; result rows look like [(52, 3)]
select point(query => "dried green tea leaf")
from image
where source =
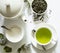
[(7, 49), (21, 48), (3, 40), (1, 35)]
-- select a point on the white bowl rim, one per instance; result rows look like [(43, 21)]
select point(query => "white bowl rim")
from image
[(18, 39)]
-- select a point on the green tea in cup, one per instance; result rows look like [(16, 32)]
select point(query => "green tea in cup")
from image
[(43, 35)]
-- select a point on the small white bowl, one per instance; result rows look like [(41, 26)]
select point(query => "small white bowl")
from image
[(39, 13), (11, 23), (14, 35)]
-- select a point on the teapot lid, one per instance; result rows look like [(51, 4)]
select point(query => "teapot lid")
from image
[(10, 8)]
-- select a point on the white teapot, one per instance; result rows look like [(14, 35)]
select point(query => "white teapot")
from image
[(11, 8)]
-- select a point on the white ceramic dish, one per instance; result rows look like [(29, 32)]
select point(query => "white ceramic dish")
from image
[(16, 33), (11, 9)]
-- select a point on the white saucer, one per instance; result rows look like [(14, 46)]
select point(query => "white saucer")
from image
[(51, 45), (53, 42)]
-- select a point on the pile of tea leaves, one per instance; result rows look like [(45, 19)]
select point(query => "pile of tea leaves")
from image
[(39, 6)]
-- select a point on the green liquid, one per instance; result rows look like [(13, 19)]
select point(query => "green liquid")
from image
[(43, 35)]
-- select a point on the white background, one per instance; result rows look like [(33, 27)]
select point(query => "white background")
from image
[(54, 20)]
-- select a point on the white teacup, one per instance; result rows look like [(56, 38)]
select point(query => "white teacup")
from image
[(49, 31)]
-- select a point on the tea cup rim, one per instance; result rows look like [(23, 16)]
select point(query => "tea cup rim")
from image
[(52, 29), (47, 42)]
